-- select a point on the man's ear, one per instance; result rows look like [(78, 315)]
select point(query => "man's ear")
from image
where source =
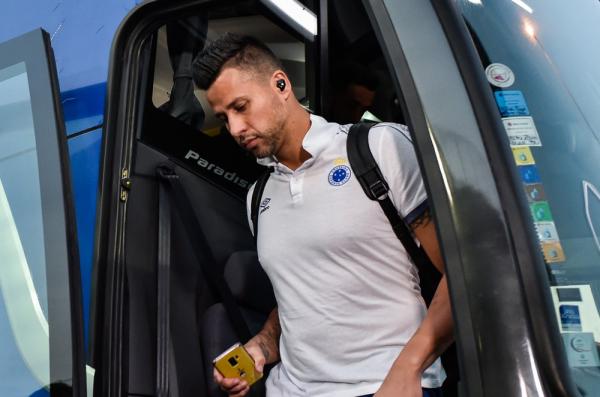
[(281, 84)]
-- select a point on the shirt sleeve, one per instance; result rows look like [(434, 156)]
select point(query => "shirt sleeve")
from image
[(393, 151)]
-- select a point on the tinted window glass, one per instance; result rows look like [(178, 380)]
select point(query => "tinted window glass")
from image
[(541, 61), (39, 268), (171, 66), (24, 339), (196, 138), (359, 85)]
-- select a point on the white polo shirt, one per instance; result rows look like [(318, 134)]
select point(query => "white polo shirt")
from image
[(348, 295)]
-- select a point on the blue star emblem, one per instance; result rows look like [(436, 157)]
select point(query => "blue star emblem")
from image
[(339, 175)]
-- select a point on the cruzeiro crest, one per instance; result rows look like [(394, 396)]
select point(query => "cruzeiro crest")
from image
[(339, 175)]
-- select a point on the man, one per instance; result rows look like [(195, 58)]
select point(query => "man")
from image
[(350, 320), (353, 92)]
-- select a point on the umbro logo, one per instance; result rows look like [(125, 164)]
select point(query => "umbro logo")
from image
[(264, 205)]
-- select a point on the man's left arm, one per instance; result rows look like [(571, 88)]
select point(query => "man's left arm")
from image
[(435, 332)]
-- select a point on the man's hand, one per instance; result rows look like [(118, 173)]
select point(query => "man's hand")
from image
[(237, 387), (263, 348)]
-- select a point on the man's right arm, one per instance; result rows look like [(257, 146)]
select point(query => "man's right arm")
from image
[(263, 348), (267, 340)]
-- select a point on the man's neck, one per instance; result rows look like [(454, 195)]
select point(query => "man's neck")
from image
[(291, 153)]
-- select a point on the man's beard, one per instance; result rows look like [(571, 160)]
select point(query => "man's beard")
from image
[(270, 139), (268, 142)]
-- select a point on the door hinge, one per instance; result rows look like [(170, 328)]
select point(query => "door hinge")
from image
[(125, 184)]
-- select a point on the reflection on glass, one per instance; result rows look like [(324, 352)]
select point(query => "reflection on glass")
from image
[(589, 189), (529, 29), (550, 113), (523, 5), (24, 341)]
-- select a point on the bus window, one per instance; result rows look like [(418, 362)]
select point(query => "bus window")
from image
[(359, 83), (195, 136), (39, 327), (544, 81), (25, 273)]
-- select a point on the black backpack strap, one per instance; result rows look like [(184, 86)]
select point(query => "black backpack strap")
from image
[(259, 188), (201, 248), (371, 179)]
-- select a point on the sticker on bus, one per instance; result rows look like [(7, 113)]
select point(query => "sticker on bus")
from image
[(541, 211), (499, 75), (529, 174), (581, 349), (521, 131), (511, 103), (553, 252), (535, 192), (570, 320), (546, 231), (523, 156)]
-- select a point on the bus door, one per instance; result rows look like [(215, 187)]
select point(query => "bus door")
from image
[(159, 315), (156, 118), (41, 332), (503, 102)]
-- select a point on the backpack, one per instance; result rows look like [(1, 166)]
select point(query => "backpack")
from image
[(373, 183)]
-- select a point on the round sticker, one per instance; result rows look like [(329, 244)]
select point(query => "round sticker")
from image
[(579, 344), (500, 75), (339, 175)]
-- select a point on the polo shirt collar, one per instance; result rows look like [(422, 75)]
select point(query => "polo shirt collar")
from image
[(315, 141)]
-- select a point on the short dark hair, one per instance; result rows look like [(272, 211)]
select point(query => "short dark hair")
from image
[(232, 50)]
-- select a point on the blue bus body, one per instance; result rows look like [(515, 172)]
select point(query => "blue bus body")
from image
[(81, 33)]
